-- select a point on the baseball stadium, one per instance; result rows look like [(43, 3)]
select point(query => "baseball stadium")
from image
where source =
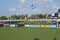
[(29, 19)]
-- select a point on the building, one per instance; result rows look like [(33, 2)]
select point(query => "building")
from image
[(57, 14)]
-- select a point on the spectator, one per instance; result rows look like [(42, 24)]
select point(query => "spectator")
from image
[(36, 39), (54, 38)]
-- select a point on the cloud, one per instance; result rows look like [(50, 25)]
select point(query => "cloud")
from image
[(21, 4), (54, 8), (46, 6), (44, 1), (22, 1), (12, 9), (51, 8)]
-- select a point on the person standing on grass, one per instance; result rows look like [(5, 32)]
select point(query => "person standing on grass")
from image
[(54, 38), (14, 27), (36, 39)]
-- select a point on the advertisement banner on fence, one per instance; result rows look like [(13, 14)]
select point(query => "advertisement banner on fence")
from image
[(26, 25), (42, 25), (53, 26), (12, 25), (34, 25), (6, 25), (48, 26)]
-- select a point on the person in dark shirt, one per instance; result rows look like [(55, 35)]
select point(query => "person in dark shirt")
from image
[(54, 38), (36, 39)]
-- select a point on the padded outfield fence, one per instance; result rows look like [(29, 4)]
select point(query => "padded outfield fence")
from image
[(44, 23)]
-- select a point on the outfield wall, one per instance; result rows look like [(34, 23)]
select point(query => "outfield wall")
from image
[(27, 25), (53, 24)]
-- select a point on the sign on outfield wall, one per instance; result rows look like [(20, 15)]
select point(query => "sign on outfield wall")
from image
[(31, 25)]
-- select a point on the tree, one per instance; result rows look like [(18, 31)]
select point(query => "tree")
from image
[(26, 17), (44, 16), (40, 16), (14, 17), (49, 16), (22, 16), (3, 18)]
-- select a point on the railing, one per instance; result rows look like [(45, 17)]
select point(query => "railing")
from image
[(58, 20)]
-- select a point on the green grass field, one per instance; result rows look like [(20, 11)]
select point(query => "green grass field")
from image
[(29, 33)]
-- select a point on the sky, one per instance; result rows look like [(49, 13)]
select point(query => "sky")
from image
[(21, 7)]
